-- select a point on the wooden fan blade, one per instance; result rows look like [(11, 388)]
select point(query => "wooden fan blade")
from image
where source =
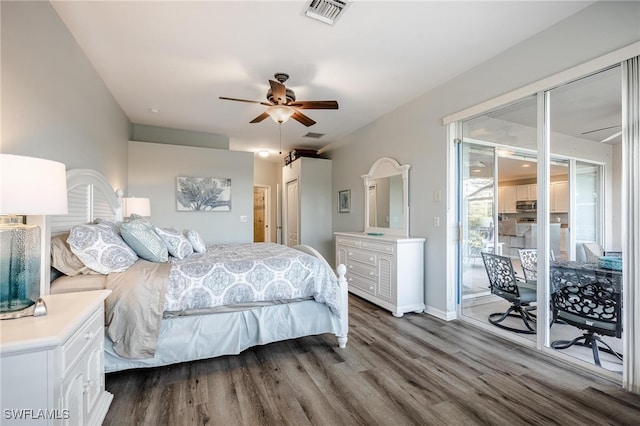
[(245, 100), (279, 92), (300, 117), (315, 104), (259, 118)]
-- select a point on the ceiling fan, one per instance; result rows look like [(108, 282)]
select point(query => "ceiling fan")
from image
[(283, 104)]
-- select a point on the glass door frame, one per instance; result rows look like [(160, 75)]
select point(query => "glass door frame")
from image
[(453, 122)]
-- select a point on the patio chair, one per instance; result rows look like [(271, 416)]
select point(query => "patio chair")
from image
[(592, 252), (529, 261), (590, 301), (503, 283)]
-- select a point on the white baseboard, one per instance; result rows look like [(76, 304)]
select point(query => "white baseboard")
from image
[(447, 316)]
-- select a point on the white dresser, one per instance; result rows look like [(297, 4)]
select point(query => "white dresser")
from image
[(386, 270), (53, 366)]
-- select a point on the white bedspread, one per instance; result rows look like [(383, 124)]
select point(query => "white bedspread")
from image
[(230, 274)]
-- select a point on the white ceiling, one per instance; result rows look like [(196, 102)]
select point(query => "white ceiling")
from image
[(178, 57)]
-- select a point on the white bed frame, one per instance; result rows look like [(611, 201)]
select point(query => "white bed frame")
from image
[(91, 196)]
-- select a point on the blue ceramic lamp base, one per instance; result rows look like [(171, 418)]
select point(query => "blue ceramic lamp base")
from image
[(20, 270)]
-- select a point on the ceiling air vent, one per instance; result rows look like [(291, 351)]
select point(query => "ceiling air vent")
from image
[(327, 11), (313, 135)]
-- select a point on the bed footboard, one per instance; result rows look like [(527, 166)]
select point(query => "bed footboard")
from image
[(341, 270)]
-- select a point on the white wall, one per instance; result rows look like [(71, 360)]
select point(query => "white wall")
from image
[(414, 133), (153, 169), (54, 103)]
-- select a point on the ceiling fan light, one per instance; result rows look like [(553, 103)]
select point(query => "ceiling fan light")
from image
[(263, 153), (280, 113)]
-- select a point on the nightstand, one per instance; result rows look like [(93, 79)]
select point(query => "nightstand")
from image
[(52, 367)]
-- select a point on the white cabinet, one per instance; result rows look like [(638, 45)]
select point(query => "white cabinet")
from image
[(507, 197), (385, 270), (527, 192), (559, 197), (53, 366), (306, 204)]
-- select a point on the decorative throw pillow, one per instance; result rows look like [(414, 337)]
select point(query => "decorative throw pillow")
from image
[(195, 240), (176, 242), (101, 248), (110, 223), (63, 259), (139, 235)]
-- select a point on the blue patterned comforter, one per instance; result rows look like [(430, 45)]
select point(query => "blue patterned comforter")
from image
[(231, 274)]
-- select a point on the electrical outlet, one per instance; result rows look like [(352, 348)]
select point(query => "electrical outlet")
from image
[(243, 218), (436, 221)]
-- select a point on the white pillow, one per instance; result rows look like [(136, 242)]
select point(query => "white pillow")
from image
[(195, 240), (177, 243), (100, 248)]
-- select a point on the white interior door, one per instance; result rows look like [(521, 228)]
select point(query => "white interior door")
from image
[(292, 213)]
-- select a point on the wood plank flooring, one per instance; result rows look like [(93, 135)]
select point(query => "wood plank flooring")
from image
[(415, 370)]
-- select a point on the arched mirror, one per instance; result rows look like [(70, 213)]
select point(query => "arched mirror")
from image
[(386, 209)]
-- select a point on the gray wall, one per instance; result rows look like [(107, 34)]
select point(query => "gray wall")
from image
[(153, 170), (54, 104), (145, 133), (414, 133)]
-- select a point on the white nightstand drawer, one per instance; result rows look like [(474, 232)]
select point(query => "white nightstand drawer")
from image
[(75, 346)]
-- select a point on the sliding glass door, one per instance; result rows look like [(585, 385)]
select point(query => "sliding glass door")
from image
[(512, 199)]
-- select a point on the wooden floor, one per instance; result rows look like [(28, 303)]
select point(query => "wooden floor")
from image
[(394, 371)]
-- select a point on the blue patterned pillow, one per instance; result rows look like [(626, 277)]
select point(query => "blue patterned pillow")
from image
[(101, 248), (139, 235), (195, 240), (176, 242)]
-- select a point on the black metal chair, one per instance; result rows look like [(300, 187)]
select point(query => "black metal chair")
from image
[(590, 301), (529, 263), (503, 283)]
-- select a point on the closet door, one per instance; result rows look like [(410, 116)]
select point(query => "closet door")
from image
[(292, 213)]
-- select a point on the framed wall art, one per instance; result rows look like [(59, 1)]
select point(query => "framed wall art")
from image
[(203, 194), (344, 201)]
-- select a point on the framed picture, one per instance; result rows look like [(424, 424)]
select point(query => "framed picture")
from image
[(344, 201), (203, 194)]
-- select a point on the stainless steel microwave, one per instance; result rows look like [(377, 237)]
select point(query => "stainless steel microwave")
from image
[(526, 206)]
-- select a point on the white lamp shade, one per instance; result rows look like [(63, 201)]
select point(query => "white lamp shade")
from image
[(32, 186), (135, 205)]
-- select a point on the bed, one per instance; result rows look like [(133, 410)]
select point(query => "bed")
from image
[(297, 292)]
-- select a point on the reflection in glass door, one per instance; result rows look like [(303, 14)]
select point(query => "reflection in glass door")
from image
[(585, 118), (477, 196)]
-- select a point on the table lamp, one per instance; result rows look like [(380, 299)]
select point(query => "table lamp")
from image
[(135, 205), (28, 186)]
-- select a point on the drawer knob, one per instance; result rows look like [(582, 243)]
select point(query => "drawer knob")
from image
[(372, 273), (371, 288), (89, 335), (371, 259)]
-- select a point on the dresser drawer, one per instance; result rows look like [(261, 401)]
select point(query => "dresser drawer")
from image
[(362, 284), (363, 256), (81, 339), (378, 246), (367, 271), (346, 241)]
